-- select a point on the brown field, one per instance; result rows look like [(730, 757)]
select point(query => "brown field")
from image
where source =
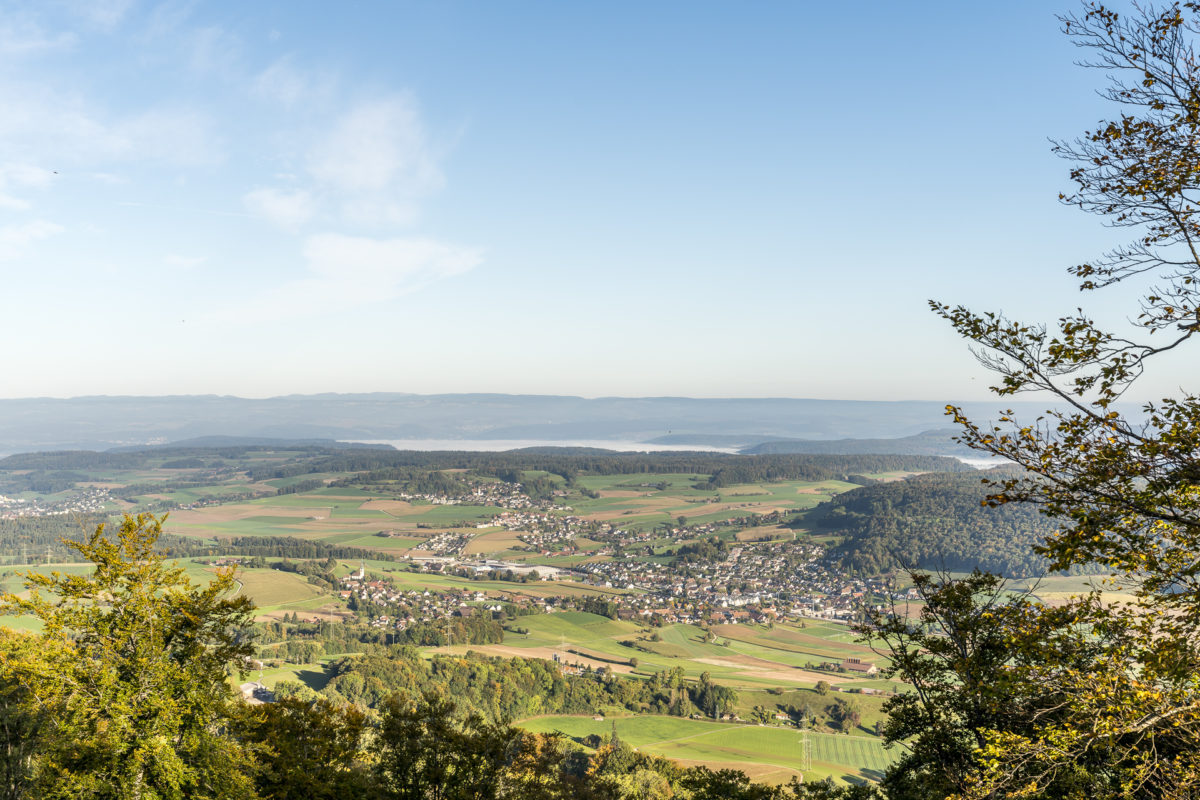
[(741, 661), (647, 505), (396, 508), (532, 652), (329, 613), (493, 542), (672, 506), (773, 531), (621, 493), (235, 512), (800, 676), (759, 668)]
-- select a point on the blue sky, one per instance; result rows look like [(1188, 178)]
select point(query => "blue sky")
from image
[(619, 198)]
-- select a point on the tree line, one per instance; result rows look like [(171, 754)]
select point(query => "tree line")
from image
[(125, 694)]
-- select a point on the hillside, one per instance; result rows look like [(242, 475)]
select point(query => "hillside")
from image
[(938, 442), (932, 522)]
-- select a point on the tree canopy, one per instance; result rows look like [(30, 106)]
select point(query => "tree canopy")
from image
[(130, 674), (1124, 488)]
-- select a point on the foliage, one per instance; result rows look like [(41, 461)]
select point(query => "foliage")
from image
[(979, 659), (45, 539), (1124, 488), (512, 688), (310, 749), (126, 694), (932, 522), (130, 674)]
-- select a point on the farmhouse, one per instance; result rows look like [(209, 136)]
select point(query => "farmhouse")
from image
[(857, 665)]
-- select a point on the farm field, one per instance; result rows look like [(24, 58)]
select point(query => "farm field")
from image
[(398, 512), (377, 520), (736, 662), (766, 753), (644, 500)]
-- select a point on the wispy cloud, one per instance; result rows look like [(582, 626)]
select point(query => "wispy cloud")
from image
[(16, 239), (103, 14), (41, 121), (376, 162), (25, 38), (369, 165), (287, 209), (15, 177), (284, 83), (345, 272)]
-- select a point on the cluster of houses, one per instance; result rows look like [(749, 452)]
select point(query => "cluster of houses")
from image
[(765, 580), (486, 493), (549, 532), (408, 606), (86, 500), (446, 543)]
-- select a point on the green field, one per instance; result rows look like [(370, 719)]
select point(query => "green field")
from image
[(744, 665), (770, 668), (270, 588), (765, 752)]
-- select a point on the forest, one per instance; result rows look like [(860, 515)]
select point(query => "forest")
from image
[(514, 688), (40, 540), (933, 521)]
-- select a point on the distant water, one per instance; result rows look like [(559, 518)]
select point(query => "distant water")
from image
[(497, 445), (981, 463)]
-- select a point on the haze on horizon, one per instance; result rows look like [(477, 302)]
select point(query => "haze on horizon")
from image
[(689, 199)]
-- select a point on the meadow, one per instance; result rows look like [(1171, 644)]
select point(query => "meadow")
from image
[(765, 752), (770, 667)]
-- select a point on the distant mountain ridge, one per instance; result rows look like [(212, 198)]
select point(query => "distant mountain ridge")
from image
[(103, 422), (938, 442)]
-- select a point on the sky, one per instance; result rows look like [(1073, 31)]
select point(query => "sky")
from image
[(695, 198)]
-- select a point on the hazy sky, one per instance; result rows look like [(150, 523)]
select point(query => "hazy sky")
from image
[(595, 198)]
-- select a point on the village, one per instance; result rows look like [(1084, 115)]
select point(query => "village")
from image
[(757, 582), (89, 499), (485, 493), (760, 582)]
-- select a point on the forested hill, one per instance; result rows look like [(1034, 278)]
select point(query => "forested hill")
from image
[(934, 443), (723, 470), (930, 522)]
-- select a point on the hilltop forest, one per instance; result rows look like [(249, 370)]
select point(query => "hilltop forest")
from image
[(932, 522)]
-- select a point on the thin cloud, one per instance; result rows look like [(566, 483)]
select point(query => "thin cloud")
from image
[(104, 14), (286, 209), (376, 161), (38, 119), (20, 38), (284, 83), (347, 272), (15, 240), (15, 177)]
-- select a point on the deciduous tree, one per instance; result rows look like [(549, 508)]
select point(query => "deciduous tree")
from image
[(131, 680), (1126, 487)]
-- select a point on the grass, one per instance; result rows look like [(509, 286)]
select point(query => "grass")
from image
[(313, 676), (269, 587), (765, 749)]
